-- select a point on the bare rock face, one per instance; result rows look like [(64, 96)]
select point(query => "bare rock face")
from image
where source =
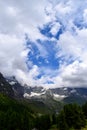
[(5, 87)]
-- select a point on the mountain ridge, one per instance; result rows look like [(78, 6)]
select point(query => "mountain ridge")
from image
[(53, 99)]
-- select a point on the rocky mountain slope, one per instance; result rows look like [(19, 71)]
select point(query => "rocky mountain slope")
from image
[(5, 87), (53, 99)]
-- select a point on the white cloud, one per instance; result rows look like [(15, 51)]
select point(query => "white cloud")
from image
[(16, 19), (55, 28), (20, 17), (72, 43), (23, 17), (11, 54), (74, 75)]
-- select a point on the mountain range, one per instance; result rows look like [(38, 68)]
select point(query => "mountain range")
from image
[(52, 99)]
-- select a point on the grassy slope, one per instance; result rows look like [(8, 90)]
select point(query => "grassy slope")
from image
[(35, 106)]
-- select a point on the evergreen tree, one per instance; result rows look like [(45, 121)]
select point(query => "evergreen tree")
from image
[(54, 119), (62, 124), (43, 122), (84, 109), (71, 117)]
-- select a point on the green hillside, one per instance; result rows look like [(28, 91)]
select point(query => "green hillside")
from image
[(25, 115), (14, 115)]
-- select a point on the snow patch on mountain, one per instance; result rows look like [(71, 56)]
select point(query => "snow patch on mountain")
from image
[(58, 97), (65, 89), (73, 91), (33, 94), (12, 82)]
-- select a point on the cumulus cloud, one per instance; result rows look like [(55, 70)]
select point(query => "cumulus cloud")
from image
[(72, 43), (18, 18), (12, 56), (55, 28)]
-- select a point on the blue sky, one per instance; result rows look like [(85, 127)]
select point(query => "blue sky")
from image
[(44, 43)]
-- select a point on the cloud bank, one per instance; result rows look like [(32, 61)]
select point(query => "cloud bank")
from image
[(44, 43)]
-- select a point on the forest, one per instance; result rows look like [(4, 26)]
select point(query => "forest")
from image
[(17, 115)]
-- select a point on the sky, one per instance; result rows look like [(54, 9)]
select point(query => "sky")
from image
[(44, 42)]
